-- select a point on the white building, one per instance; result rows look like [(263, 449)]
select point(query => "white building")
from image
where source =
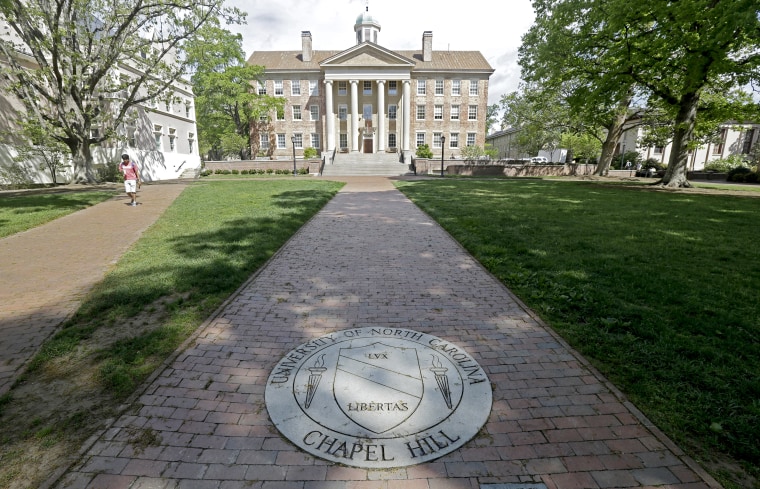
[(160, 137), (371, 99)]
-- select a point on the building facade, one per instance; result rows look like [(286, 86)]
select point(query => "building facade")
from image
[(160, 135), (371, 99)]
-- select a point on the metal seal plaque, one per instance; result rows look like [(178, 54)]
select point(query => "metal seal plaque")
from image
[(378, 397)]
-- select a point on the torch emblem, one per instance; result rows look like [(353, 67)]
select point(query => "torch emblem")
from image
[(443, 381), (315, 375)]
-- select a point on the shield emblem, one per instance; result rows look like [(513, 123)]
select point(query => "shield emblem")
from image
[(378, 386)]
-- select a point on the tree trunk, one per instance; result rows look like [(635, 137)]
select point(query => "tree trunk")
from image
[(675, 175), (81, 157), (614, 131)]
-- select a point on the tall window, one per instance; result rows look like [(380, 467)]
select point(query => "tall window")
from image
[(278, 90), (281, 141), (297, 113), (172, 139), (190, 141), (456, 87), (392, 140), (473, 87), (313, 88), (470, 139), (342, 112), (454, 112), (439, 87), (454, 140), (367, 87), (420, 87), (342, 88), (420, 138), (157, 133), (298, 140), (343, 140), (472, 113), (437, 139), (747, 144), (295, 87), (315, 143), (420, 112), (718, 149), (314, 111), (392, 112), (262, 88), (264, 141), (392, 87), (438, 112)]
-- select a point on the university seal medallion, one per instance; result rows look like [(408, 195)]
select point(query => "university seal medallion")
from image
[(378, 397)]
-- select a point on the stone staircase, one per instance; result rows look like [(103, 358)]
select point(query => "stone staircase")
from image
[(190, 173), (363, 164)]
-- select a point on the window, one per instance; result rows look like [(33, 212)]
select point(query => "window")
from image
[(298, 140), (313, 88), (472, 113), (262, 88), (438, 112), (264, 141), (437, 139), (420, 112), (454, 140), (718, 149), (187, 108), (342, 112), (191, 141), (420, 87), (315, 143), (392, 87), (95, 132), (281, 141), (473, 87), (454, 112), (157, 133), (367, 87), (439, 87), (470, 139), (172, 137), (343, 140), (456, 87), (295, 87), (314, 112), (297, 113), (658, 150), (747, 143), (278, 90), (342, 88), (420, 138), (392, 112), (392, 140)]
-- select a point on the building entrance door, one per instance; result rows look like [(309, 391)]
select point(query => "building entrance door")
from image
[(368, 145)]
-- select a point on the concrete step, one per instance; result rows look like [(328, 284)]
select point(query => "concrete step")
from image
[(362, 164)]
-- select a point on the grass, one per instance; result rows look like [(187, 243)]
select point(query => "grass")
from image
[(200, 251), (659, 290), (19, 213)]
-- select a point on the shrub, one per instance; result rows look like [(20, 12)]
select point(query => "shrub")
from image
[(218, 171), (738, 174), (751, 177), (206, 173), (424, 151), (726, 164), (235, 172), (270, 171), (303, 171), (310, 153)]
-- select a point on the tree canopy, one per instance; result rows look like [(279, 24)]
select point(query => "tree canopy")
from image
[(93, 62)]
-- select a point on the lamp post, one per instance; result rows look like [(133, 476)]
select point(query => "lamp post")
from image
[(443, 150), (293, 140)]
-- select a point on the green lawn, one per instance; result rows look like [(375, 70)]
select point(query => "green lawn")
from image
[(19, 213), (658, 289)]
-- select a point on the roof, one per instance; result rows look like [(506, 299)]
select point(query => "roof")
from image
[(441, 60)]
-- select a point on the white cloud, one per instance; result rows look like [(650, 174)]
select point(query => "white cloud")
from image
[(493, 28)]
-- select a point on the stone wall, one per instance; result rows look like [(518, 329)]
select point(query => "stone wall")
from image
[(459, 167), (312, 164)]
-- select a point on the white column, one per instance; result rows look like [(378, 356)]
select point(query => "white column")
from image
[(406, 114), (329, 115), (381, 115), (354, 115)]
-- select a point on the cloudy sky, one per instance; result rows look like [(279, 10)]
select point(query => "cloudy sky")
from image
[(493, 28)]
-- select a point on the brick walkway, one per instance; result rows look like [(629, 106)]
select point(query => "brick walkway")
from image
[(45, 272), (371, 258)]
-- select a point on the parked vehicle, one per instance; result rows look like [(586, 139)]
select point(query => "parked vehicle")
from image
[(539, 160)]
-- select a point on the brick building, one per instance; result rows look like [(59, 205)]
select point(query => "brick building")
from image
[(371, 99)]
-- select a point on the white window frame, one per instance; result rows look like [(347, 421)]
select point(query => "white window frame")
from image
[(438, 112), (439, 86), (367, 87), (190, 142), (453, 140), (420, 112), (295, 87), (456, 88), (281, 144), (454, 112), (343, 140), (173, 139), (392, 87), (297, 115), (261, 88), (342, 88), (263, 141), (279, 91), (342, 112), (315, 141), (421, 87), (474, 91), (298, 140), (472, 112), (314, 112), (471, 138), (419, 138), (437, 140), (313, 88), (158, 136), (392, 112)]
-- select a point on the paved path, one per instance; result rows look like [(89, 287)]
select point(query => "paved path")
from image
[(45, 272), (371, 258)]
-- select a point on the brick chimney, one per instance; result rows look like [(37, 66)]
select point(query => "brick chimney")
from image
[(306, 46), (427, 46)]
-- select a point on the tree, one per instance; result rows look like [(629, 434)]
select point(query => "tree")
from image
[(541, 116), (231, 113), (82, 51), (42, 147)]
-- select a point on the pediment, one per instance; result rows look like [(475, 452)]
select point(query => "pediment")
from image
[(366, 55)]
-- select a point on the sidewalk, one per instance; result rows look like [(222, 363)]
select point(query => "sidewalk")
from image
[(371, 258), (46, 271)]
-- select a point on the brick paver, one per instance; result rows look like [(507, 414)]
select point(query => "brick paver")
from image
[(371, 258), (46, 271)]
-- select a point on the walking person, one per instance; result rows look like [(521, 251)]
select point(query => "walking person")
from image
[(131, 177)]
